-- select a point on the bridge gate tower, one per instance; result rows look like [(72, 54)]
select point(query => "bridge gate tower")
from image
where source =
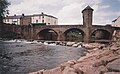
[(87, 23)]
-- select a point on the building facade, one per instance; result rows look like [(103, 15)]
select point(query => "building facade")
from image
[(26, 20), (13, 19), (31, 19), (44, 18), (116, 23)]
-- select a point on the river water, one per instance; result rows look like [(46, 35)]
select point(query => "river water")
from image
[(22, 58)]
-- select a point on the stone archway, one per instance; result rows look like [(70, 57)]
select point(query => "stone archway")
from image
[(74, 34), (101, 34), (47, 34)]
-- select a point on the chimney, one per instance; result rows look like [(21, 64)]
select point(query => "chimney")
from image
[(14, 14), (42, 13)]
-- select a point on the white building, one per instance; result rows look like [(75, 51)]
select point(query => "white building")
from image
[(116, 22), (31, 19), (13, 19), (44, 18)]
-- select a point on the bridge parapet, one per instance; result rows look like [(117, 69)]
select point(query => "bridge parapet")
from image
[(57, 26), (103, 28)]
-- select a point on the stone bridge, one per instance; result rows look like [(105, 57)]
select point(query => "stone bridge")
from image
[(60, 32)]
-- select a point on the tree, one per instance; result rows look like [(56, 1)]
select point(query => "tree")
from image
[(3, 6)]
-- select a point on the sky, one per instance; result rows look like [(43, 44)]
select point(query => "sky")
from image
[(68, 11)]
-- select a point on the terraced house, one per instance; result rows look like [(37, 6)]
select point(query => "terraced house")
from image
[(36, 19)]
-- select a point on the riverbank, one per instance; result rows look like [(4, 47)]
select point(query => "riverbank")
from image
[(99, 59)]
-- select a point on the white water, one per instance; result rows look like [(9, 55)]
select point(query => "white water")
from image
[(78, 45)]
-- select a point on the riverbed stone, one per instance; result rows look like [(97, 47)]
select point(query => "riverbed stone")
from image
[(92, 45), (70, 43), (70, 70), (68, 64), (118, 52), (75, 45), (114, 66), (79, 46), (114, 47), (56, 70), (98, 61), (112, 73)]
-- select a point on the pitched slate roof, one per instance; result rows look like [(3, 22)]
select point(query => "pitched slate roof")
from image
[(87, 8), (14, 17), (20, 16), (116, 19), (44, 15)]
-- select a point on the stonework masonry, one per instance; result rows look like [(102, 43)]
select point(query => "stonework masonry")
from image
[(87, 29)]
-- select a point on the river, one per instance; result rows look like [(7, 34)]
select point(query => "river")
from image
[(22, 58)]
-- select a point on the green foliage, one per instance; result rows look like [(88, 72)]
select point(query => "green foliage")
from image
[(8, 35), (74, 35), (3, 6)]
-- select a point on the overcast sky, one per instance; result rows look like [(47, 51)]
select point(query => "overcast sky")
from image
[(68, 11)]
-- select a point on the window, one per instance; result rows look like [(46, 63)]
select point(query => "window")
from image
[(48, 23), (42, 21), (36, 21)]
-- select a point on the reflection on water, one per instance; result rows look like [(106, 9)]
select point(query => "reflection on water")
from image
[(22, 58)]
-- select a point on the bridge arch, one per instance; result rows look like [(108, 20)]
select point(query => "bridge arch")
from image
[(101, 34), (74, 34), (47, 34)]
